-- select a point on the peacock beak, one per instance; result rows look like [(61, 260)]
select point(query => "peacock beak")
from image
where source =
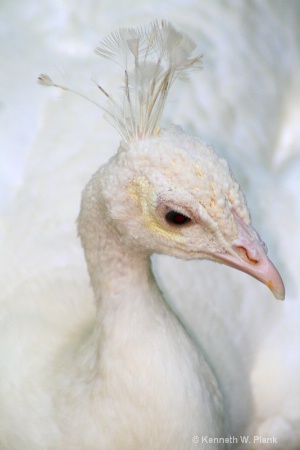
[(249, 254)]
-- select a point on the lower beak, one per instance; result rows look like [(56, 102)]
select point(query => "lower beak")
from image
[(249, 254)]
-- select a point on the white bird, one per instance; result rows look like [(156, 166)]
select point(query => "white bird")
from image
[(128, 375)]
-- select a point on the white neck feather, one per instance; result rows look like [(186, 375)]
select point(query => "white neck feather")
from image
[(139, 353), (121, 277)]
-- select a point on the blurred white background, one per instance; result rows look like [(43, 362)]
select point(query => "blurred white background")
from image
[(245, 102)]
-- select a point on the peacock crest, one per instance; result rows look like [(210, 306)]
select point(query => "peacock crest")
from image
[(152, 58)]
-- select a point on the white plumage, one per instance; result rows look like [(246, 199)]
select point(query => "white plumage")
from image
[(32, 256)]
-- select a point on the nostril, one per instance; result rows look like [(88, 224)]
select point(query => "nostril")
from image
[(244, 253)]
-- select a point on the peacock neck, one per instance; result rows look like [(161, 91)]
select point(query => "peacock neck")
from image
[(121, 276), (137, 355), (122, 280)]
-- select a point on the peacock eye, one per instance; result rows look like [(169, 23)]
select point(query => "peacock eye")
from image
[(176, 218)]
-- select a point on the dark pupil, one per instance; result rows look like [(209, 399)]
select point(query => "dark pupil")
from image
[(176, 218)]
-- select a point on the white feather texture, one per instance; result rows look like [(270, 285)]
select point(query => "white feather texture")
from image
[(245, 102), (152, 59)]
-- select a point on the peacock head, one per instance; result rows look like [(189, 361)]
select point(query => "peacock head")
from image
[(166, 191), (177, 197)]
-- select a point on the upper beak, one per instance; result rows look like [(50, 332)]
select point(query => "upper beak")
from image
[(249, 254)]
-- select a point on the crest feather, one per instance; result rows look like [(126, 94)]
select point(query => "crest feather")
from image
[(152, 58)]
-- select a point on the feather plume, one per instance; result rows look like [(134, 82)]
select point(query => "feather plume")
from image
[(152, 58)]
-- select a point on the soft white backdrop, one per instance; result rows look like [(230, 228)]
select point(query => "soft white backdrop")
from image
[(246, 102)]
